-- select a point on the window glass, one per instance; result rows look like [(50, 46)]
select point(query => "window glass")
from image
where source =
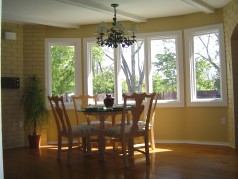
[(103, 75), (62, 71), (164, 68), (207, 66), (133, 68)]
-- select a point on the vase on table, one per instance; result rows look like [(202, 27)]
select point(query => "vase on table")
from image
[(108, 101)]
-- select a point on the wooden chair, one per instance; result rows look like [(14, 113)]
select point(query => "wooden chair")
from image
[(152, 121), (65, 129), (126, 133), (83, 101), (142, 122)]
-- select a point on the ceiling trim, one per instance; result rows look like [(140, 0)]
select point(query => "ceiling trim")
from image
[(104, 9), (200, 5)]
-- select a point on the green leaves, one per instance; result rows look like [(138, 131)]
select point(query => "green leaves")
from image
[(63, 69), (165, 77), (33, 101)]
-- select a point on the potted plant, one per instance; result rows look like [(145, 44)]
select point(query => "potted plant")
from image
[(35, 111)]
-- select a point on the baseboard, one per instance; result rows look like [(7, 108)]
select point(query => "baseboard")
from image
[(191, 142)]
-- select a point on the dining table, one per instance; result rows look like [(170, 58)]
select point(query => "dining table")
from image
[(102, 113)]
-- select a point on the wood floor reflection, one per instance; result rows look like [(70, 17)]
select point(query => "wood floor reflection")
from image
[(168, 161)]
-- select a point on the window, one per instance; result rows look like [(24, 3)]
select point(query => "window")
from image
[(206, 79), (141, 67), (167, 68), (62, 68)]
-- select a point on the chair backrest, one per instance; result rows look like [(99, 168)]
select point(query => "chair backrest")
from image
[(83, 101), (137, 109), (60, 114)]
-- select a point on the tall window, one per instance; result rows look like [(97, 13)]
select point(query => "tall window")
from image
[(125, 70), (206, 66), (62, 64), (166, 68)]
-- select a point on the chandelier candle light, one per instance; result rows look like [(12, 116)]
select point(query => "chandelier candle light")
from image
[(117, 34)]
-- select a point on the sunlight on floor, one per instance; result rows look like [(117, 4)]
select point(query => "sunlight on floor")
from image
[(156, 150), (55, 147)]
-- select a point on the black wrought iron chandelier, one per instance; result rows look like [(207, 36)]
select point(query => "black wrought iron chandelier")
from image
[(115, 35)]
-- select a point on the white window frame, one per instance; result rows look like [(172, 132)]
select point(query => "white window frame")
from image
[(76, 42), (191, 97), (148, 76), (177, 35)]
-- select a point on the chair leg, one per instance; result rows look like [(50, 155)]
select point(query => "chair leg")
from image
[(152, 139), (131, 147), (147, 150), (102, 147), (59, 147), (84, 143), (70, 145), (88, 143), (115, 145), (123, 143), (79, 142)]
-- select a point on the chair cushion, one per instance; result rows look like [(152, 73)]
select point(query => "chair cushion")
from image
[(116, 131), (141, 124), (84, 130), (97, 123)]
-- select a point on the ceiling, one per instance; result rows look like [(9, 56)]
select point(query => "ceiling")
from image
[(73, 13)]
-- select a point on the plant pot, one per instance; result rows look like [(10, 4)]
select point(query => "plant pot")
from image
[(34, 140), (108, 101)]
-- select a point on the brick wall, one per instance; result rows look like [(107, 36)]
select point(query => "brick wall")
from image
[(230, 16), (34, 58), (234, 56), (20, 58), (12, 66)]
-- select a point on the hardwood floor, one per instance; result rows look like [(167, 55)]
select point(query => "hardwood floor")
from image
[(168, 161)]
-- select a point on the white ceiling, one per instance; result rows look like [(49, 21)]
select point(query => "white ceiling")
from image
[(73, 13)]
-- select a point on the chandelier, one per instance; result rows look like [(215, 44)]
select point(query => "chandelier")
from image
[(117, 34)]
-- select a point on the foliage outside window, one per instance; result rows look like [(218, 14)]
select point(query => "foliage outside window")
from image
[(62, 65), (164, 67), (206, 66)]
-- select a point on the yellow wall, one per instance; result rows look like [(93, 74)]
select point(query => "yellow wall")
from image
[(186, 124), (197, 125)]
